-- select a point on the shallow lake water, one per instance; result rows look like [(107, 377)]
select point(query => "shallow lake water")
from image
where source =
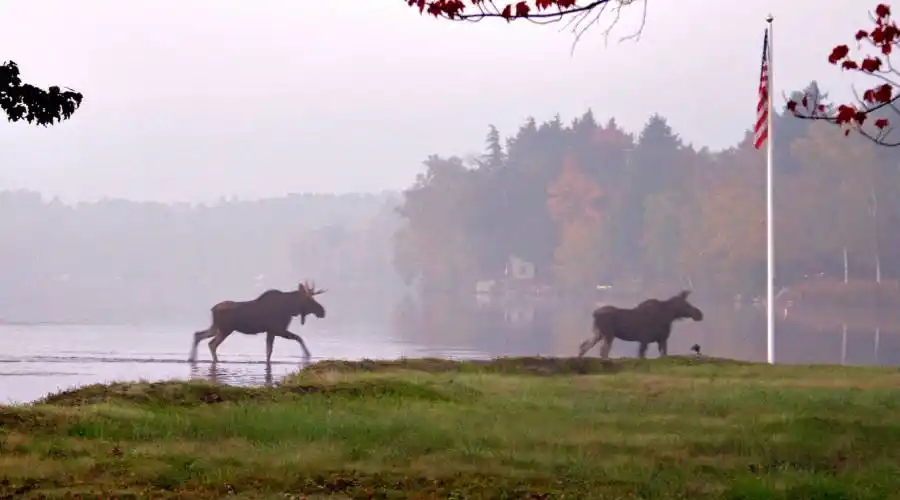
[(36, 359)]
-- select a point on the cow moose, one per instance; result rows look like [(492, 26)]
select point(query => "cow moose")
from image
[(648, 322), (271, 312)]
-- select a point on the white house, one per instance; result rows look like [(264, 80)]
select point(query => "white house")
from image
[(519, 269)]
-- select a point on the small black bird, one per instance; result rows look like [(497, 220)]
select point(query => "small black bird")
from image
[(696, 349)]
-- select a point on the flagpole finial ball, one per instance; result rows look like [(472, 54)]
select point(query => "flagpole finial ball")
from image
[(769, 18)]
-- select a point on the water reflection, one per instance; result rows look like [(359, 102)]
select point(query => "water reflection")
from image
[(841, 344), (555, 327), (221, 373)]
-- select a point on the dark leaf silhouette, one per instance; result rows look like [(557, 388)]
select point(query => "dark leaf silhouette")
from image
[(22, 101)]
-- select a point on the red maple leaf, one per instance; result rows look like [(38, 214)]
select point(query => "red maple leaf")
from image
[(882, 11), (449, 8), (838, 53), (522, 9), (885, 33), (845, 114), (507, 12), (861, 34), (881, 123), (849, 64), (871, 64), (454, 8), (883, 93), (418, 3)]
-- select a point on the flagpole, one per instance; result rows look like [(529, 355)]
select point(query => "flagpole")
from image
[(770, 247)]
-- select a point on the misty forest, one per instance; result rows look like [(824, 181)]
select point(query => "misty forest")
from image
[(582, 202), (119, 260), (590, 204)]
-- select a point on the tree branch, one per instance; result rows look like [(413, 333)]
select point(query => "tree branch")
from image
[(885, 38), (581, 18), (21, 101)]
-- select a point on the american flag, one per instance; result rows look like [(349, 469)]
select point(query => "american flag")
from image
[(761, 130)]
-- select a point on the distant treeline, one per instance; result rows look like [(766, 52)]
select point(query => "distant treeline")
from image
[(587, 203), (117, 259), (590, 204)]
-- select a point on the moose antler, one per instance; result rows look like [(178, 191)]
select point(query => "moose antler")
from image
[(310, 288)]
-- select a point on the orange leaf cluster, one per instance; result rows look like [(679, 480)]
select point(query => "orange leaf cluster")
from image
[(573, 196)]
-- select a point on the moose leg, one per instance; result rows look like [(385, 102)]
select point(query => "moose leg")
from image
[(270, 342), (663, 347), (216, 342), (292, 336), (642, 350), (199, 337), (589, 344), (607, 346)]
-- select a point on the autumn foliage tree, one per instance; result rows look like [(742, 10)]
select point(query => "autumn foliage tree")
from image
[(22, 101), (573, 202), (711, 228), (591, 204), (572, 198)]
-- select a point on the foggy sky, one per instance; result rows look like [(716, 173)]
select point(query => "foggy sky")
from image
[(198, 99)]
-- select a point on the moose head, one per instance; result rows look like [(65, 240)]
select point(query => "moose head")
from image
[(679, 307), (309, 305)]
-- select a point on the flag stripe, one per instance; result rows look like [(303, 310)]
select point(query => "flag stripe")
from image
[(761, 130)]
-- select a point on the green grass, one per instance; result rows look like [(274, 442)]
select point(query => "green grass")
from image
[(676, 428)]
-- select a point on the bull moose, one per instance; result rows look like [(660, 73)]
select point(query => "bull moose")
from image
[(271, 312), (651, 321)]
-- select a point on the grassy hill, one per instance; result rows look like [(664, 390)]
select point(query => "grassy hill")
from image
[(508, 428)]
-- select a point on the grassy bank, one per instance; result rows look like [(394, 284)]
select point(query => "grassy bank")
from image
[(514, 428)]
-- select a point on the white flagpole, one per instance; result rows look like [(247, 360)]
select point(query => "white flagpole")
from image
[(770, 247)]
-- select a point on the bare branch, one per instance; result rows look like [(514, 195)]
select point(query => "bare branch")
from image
[(595, 17), (582, 30), (636, 36)]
